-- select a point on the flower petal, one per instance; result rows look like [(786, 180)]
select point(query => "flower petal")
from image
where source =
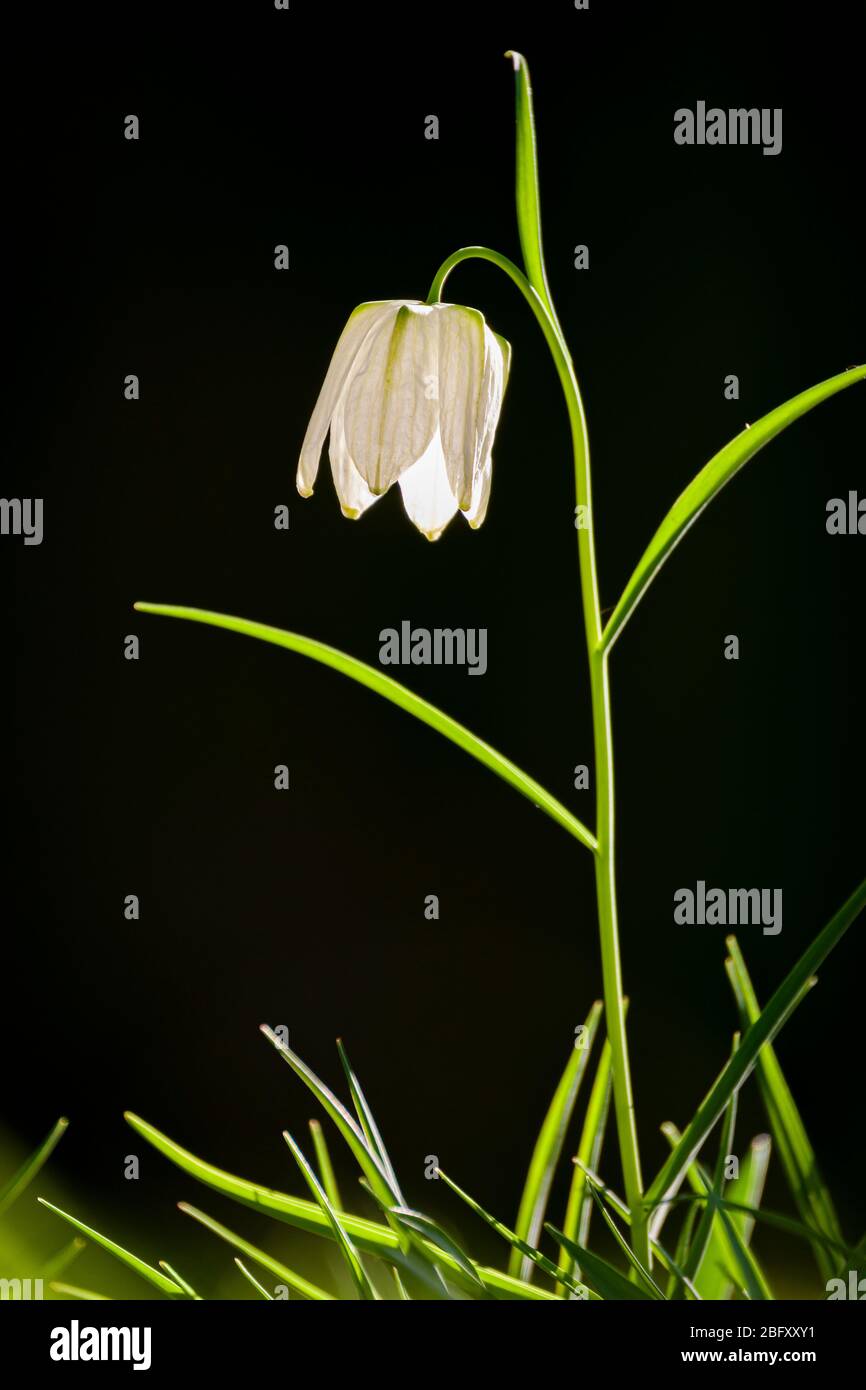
[(461, 372), (391, 406), (355, 497), (497, 364), (361, 322), (477, 509), (427, 496)]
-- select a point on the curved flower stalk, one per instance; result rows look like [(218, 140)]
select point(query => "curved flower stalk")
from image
[(412, 396)]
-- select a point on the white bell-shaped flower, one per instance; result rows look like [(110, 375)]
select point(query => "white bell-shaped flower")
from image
[(412, 396)]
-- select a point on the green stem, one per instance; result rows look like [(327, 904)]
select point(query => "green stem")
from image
[(602, 733)]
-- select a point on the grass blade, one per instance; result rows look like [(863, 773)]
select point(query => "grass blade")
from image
[(762, 1031), (261, 1257), (251, 1279), (808, 1189), (306, 1216), (73, 1291), (420, 1261), (344, 1242), (398, 695), (434, 1235), (21, 1180), (153, 1276), (754, 1281), (578, 1211), (751, 1277), (326, 1168), (777, 1219), (548, 1147), (708, 483), (369, 1162), (748, 1188), (427, 1267), (526, 183), (707, 1222), (605, 1279), (642, 1272), (667, 1261), (660, 1208), (684, 1244), (369, 1236), (59, 1263), (368, 1124), (181, 1283), (514, 1240)]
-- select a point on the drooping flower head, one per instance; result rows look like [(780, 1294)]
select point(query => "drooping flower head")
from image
[(412, 396)]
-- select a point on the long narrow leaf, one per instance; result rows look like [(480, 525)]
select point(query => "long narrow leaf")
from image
[(808, 1188), (514, 1240), (21, 1180), (708, 1215), (369, 1162), (73, 1291), (748, 1189), (433, 1235), (750, 1277), (180, 1281), (526, 183), (421, 1260), (305, 1216), (667, 1261), (548, 1147), (253, 1281), (398, 695), (368, 1124), (603, 1276), (777, 1219), (326, 1167), (153, 1276), (710, 481), (684, 1244), (343, 1239), (772, 1018), (660, 1207), (261, 1257), (60, 1262), (644, 1276), (578, 1212), (370, 1236)]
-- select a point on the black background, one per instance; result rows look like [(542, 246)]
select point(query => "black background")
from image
[(260, 127)]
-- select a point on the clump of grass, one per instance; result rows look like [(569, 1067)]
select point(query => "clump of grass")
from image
[(405, 1254)]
